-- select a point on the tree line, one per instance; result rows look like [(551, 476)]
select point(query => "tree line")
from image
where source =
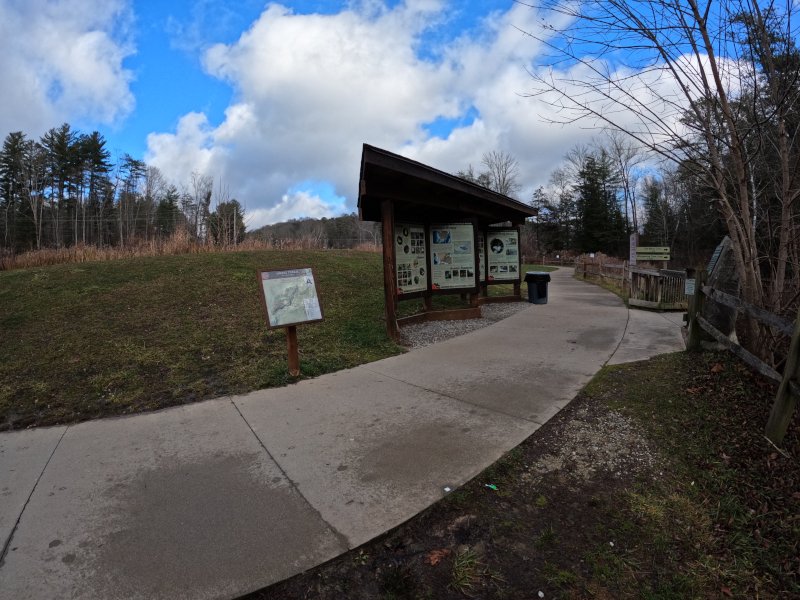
[(606, 191), (713, 88), (345, 231), (64, 189)]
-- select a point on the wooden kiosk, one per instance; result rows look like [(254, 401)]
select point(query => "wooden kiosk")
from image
[(441, 235)]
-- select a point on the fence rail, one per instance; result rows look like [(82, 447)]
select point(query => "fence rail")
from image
[(788, 389), (660, 289)]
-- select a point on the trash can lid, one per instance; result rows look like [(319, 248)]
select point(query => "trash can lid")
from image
[(537, 276)]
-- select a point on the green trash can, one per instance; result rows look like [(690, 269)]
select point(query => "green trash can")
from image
[(537, 286)]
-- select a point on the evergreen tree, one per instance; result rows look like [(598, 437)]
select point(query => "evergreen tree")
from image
[(168, 213), (600, 225), (226, 224), (12, 185)]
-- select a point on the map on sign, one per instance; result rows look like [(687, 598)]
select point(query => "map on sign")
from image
[(290, 297)]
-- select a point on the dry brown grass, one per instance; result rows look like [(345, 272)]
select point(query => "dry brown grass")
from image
[(180, 243)]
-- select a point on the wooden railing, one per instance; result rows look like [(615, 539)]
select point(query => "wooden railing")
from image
[(788, 389), (660, 289)]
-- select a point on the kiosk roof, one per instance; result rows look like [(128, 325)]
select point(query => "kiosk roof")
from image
[(423, 194)]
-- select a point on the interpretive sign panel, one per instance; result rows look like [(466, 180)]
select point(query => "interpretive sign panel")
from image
[(452, 260), (503, 254), (410, 259), (290, 297)]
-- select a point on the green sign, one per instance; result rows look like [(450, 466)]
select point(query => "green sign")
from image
[(652, 253)]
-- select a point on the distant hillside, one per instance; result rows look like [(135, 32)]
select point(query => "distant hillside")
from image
[(346, 231)]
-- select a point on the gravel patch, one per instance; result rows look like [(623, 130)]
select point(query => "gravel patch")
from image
[(597, 441), (431, 332)]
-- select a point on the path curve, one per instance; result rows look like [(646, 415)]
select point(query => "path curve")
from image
[(219, 498)]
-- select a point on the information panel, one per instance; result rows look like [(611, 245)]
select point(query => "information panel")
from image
[(452, 259), (290, 297), (410, 259), (503, 254)]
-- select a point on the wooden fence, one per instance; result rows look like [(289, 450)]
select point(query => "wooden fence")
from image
[(788, 389), (660, 289)]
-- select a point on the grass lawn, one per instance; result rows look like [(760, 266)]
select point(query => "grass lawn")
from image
[(655, 482), (81, 341)]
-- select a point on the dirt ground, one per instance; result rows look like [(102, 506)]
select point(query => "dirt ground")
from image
[(641, 487)]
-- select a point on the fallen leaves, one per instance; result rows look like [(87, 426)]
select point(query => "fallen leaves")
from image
[(434, 557)]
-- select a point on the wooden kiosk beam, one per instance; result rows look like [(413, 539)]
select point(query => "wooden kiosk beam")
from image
[(389, 277)]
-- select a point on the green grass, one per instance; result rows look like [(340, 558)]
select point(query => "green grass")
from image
[(95, 339), (720, 517)]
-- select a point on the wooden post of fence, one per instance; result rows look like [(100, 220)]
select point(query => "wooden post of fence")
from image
[(786, 398), (584, 268), (695, 310)]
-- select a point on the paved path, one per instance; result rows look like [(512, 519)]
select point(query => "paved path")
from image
[(219, 498)]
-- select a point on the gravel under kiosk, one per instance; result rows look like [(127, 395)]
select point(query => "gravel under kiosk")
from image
[(441, 235)]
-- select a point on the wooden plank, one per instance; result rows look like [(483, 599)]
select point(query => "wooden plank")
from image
[(786, 399), (644, 303), (752, 360), (643, 271), (766, 317), (294, 354), (695, 309), (389, 288), (499, 299), (453, 314), (657, 305)]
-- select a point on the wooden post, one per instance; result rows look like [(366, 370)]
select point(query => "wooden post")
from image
[(427, 300), (389, 288), (695, 310), (786, 398), (294, 355)]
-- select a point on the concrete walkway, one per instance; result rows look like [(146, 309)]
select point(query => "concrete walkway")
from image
[(219, 498)]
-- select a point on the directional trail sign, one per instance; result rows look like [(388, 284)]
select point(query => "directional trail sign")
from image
[(652, 253)]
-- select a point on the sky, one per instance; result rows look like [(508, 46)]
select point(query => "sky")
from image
[(274, 100)]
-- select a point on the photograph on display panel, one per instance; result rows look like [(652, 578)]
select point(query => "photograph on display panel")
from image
[(503, 254), (410, 259)]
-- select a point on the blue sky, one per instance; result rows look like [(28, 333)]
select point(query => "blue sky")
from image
[(274, 100)]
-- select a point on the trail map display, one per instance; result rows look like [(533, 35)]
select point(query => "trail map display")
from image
[(452, 260), (503, 254), (411, 265), (290, 297)]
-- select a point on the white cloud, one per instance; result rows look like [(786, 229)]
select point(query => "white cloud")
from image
[(310, 89), (293, 206), (62, 61)]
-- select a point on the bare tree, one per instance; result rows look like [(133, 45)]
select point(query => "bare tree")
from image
[(502, 170), (696, 83), (197, 201), (627, 156)]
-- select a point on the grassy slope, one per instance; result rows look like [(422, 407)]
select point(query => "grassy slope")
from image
[(80, 341), (86, 340)]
